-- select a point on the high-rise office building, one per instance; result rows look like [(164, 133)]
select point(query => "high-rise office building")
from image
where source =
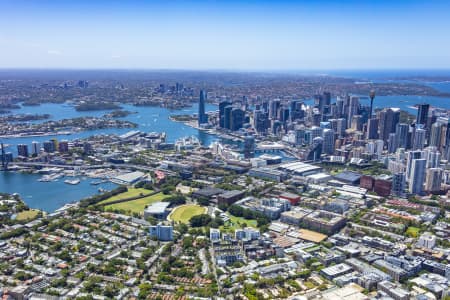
[(422, 114), (372, 129), (249, 146), (296, 110), (412, 155), (446, 148), (260, 121), (435, 135), (283, 114), (63, 146), (328, 141), (35, 148), (389, 118), (340, 107), (392, 143), (274, 106), (237, 119), (299, 135), (419, 139), (433, 157), (22, 150), (322, 102), (49, 146), (316, 132), (433, 179), (398, 184), (401, 135), (341, 126), (357, 122), (222, 106), (227, 117), (417, 176), (315, 149), (202, 116), (277, 127), (353, 109)]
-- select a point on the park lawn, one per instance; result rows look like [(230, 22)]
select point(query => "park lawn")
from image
[(137, 206), (236, 222), (413, 231), (27, 215), (132, 192), (185, 212)]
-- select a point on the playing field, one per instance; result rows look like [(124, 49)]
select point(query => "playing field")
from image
[(132, 192), (185, 212), (137, 205), (237, 223), (27, 215)]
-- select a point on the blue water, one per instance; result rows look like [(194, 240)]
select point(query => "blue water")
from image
[(47, 196), (148, 118)]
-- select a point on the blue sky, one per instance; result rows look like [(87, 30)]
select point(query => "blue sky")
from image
[(241, 35)]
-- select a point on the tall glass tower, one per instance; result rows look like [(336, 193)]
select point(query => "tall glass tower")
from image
[(202, 117)]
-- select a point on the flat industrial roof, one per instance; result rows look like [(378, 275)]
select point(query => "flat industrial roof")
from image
[(157, 208), (130, 177)]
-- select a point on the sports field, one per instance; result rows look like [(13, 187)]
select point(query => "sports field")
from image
[(137, 206), (132, 192), (184, 213)]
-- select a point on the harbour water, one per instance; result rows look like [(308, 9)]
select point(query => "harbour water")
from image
[(148, 118), (49, 196)]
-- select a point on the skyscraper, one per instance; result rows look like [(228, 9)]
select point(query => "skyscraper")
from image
[(328, 141), (260, 121), (222, 106), (411, 155), (392, 143), (446, 150), (371, 96), (274, 105), (417, 176), (315, 150), (401, 135), (35, 148), (202, 116), (433, 157), (372, 129), (398, 184), (237, 119), (389, 117), (422, 114), (249, 146), (419, 139), (22, 150), (227, 117), (353, 109), (435, 136), (433, 180)]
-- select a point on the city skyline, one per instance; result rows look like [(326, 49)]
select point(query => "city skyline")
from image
[(219, 35)]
